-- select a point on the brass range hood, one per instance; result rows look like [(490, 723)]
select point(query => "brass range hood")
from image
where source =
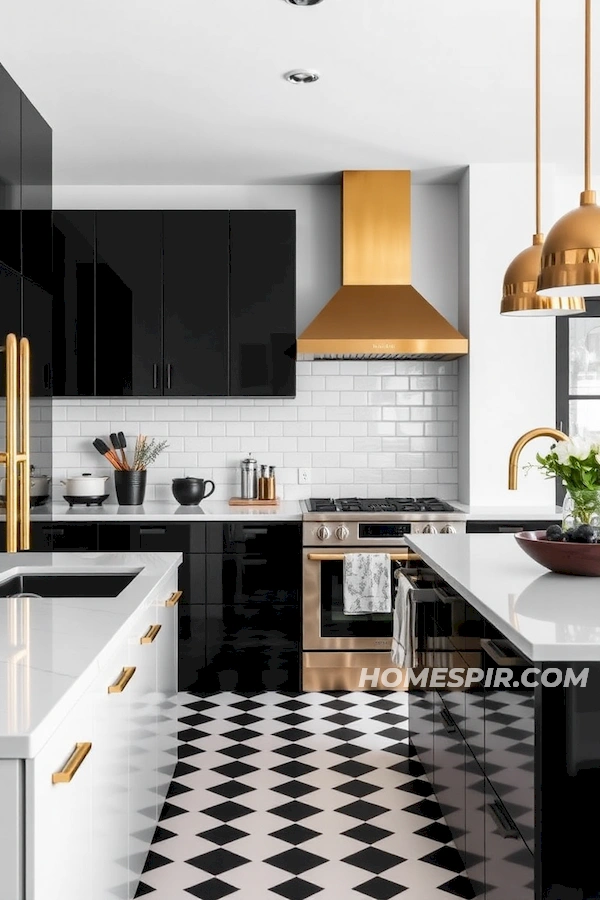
[(377, 313)]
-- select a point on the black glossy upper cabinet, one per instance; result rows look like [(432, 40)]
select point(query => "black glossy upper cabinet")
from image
[(36, 195), (196, 314), (37, 326), (262, 303), (10, 313), (128, 303), (73, 305), (10, 172)]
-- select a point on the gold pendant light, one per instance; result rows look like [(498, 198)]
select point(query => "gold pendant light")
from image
[(519, 295), (571, 252)]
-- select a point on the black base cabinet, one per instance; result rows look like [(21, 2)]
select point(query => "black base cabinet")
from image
[(239, 616), (252, 608)]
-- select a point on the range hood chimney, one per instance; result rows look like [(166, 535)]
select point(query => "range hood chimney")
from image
[(377, 313)]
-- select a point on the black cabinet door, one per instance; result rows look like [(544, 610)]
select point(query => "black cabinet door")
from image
[(449, 765), (73, 334), (37, 326), (36, 195), (10, 171), (422, 707), (128, 303), (252, 623), (263, 303), (509, 864), (10, 316), (192, 623), (195, 291), (56, 536), (182, 537)]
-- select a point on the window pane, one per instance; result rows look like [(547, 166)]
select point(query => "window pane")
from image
[(584, 419), (584, 355)]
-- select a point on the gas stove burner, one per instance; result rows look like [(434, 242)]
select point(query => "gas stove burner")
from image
[(379, 505), (321, 504)]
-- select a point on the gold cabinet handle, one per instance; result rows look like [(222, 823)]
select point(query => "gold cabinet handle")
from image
[(150, 634), (122, 681), (68, 771), (174, 598)]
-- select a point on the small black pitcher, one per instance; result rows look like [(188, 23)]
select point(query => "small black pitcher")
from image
[(130, 487)]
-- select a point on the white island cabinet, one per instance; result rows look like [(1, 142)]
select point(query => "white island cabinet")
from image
[(87, 760)]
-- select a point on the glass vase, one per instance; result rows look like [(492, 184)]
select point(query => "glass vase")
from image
[(581, 507)]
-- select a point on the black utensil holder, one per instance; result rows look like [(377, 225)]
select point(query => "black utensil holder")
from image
[(130, 487)]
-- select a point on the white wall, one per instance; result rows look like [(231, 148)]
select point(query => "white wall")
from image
[(508, 384)]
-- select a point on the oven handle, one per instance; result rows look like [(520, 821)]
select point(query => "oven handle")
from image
[(328, 557)]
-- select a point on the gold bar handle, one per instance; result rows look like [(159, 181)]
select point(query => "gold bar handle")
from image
[(150, 635), (333, 557), (23, 458), (68, 771), (174, 598), (122, 681), (12, 429)]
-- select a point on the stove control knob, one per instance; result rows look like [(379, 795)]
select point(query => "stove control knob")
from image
[(448, 529), (323, 532), (342, 533), (429, 529)]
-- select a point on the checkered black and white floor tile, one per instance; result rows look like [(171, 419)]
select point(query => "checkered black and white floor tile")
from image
[(299, 796)]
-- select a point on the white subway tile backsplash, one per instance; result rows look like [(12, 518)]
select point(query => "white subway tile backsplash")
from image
[(339, 383), (326, 429), (379, 427), (396, 383)]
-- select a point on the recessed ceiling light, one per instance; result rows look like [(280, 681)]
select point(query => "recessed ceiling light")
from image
[(302, 76), (304, 2)]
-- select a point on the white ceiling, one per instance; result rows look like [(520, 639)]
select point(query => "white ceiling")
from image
[(191, 91)]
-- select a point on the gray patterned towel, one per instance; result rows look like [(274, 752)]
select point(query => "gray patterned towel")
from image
[(367, 584)]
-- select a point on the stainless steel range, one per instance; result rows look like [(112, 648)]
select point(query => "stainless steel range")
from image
[(337, 646)]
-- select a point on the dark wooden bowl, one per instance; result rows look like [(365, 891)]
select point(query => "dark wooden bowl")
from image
[(560, 556)]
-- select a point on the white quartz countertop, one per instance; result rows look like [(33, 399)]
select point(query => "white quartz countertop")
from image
[(509, 513), (220, 511), (548, 617), (169, 511), (51, 649)]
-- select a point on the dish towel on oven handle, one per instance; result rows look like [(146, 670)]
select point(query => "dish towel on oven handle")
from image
[(367, 584), (404, 643)]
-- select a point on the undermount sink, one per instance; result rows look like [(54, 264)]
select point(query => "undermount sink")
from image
[(77, 584)]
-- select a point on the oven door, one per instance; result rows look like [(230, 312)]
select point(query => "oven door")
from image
[(324, 623)]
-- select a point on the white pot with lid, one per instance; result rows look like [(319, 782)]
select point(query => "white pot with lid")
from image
[(86, 485)]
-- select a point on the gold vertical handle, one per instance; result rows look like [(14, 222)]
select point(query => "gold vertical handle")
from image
[(122, 681), (25, 480), (150, 635), (11, 443), (71, 766), (174, 598)]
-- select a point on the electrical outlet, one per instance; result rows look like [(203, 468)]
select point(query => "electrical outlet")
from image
[(303, 476)]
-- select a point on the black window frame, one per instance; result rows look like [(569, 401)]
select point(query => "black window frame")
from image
[(563, 397)]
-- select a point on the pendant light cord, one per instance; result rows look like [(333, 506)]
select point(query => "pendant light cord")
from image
[(588, 97), (538, 124)]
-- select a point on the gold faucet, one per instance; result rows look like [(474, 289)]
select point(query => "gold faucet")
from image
[(515, 453)]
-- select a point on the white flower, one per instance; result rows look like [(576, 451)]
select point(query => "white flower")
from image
[(576, 447), (598, 458)]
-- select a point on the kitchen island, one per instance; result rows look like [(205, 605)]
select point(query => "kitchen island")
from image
[(88, 724), (514, 766)]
